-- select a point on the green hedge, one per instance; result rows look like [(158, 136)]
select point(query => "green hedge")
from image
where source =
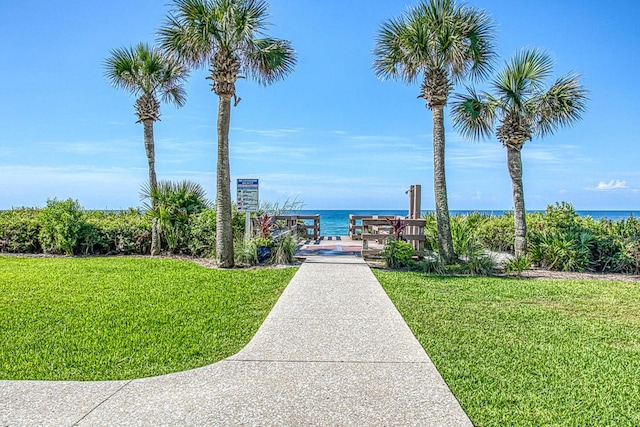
[(560, 239), (63, 227)]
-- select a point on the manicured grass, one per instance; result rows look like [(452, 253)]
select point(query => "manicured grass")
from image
[(121, 318), (529, 352)]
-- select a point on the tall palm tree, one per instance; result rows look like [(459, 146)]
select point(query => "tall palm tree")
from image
[(227, 36), (149, 74), (522, 107), (444, 43)]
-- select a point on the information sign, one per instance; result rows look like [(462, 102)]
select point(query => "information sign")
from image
[(248, 200)]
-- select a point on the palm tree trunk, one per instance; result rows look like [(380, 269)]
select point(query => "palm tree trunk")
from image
[(224, 231), (149, 146), (514, 162), (445, 242)]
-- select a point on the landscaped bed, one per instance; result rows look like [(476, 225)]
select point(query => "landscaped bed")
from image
[(529, 352), (121, 318)]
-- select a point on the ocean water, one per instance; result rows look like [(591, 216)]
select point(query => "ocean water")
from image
[(336, 222)]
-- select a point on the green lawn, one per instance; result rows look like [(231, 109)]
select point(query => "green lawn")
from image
[(529, 352), (121, 318)]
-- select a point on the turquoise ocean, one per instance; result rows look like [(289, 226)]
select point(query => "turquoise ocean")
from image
[(336, 222)]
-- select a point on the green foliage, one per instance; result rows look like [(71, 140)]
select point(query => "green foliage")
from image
[(497, 233), (173, 204), (246, 252), (560, 239), (518, 264), (116, 233), (61, 225), (202, 234), (465, 242), (19, 231), (123, 318), (563, 250), (284, 249), (397, 253), (431, 232)]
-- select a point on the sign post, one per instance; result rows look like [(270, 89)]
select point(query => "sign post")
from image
[(248, 201)]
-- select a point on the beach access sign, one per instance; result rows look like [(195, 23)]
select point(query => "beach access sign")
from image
[(248, 200)]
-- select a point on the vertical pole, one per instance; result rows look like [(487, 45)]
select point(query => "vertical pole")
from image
[(247, 226), (410, 192), (417, 201)]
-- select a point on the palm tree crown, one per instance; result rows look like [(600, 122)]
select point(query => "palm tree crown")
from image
[(228, 37), (521, 106), (149, 74), (445, 42)]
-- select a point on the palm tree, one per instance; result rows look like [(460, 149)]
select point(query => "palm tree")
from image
[(444, 43), (149, 74), (522, 107), (227, 36), (175, 202)]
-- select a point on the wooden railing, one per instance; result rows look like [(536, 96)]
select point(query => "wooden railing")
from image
[(355, 224), (298, 222), (379, 230)]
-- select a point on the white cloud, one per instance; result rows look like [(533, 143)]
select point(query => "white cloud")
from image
[(611, 185)]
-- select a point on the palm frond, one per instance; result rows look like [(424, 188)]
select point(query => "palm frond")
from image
[(392, 59), (473, 114), (270, 60), (562, 104), (435, 35), (143, 69), (197, 30)]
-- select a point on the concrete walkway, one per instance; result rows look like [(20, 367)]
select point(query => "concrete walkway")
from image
[(334, 351)]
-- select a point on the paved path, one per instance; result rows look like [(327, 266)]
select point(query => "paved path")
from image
[(334, 351)]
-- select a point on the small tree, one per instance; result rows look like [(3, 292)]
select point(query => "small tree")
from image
[(149, 74), (519, 108), (227, 37), (445, 43)]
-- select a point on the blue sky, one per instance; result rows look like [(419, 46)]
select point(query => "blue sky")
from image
[(330, 134)]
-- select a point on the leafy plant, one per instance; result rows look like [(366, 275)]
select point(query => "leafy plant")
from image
[(431, 232), (202, 233), (263, 242), (246, 252), (397, 227), (497, 233), (397, 253), (465, 242), (284, 249), (266, 225), (61, 223), (175, 202), (19, 230), (517, 265)]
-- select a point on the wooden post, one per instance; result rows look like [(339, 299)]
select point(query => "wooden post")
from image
[(415, 210)]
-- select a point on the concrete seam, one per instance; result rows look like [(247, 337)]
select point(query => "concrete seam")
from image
[(101, 403), (360, 362)]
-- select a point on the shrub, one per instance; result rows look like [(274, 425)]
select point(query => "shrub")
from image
[(497, 233), (518, 265), (246, 252), (61, 223), (175, 202), (202, 234), (284, 249), (431, 232), (19, 230), (123, 232), (397, 253), (465, 241)]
